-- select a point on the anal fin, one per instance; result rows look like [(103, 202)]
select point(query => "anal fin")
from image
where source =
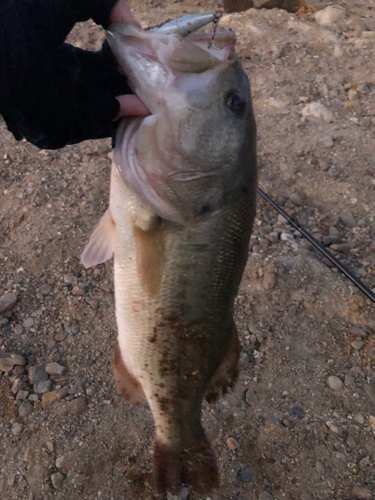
[(128, 386)]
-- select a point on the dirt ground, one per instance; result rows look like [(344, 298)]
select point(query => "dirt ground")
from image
[(287, 430)]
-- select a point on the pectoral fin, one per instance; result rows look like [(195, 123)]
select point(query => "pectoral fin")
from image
[(100, 246)]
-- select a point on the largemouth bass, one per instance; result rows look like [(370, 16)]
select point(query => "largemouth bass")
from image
[(182, 204)]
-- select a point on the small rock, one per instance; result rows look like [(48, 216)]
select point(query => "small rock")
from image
[(59, 337), (17, 385), (78, 406), (11, 479), (16, 429), (347, 218), (232, 444), (352, 95), (50, 397), (78, 291), (371, 420), (25, 409), (330, 15), (251, 398), (8, 361), (332, 427), (18, 329), (22, 395), (93, 303), (43, 386), (33, 398), (3, 322), (297, 411), (245, 475), (37, 373), (335, 383), (365, 462), (351, 441), (90, 391), (28, 323), (360, 419), (19, 371), (349, 380), (7, 302), (357, 344), (265, 495), (55, 369), (269, 279), (357, 332), (57, 480), (317, 110), (320, 468), (60, 462), (50, 446), (45, 289), (70, 279), (361, 492)]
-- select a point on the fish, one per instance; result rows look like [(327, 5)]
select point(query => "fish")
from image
[(181, 210)]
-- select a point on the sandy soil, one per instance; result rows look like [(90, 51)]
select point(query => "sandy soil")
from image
[(294, 433)]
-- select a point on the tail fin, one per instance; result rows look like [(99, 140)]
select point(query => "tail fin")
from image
[(193, 465)]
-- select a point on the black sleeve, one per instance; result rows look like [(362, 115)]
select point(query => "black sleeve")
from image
[(53, 94)]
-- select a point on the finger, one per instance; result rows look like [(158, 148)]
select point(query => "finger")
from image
[(121, 13), (131, 105)]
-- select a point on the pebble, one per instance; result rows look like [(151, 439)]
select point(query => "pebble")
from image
[(335, 383), (59, 337), (33, 398), (358, 332), (45, 289), (19, 371), (232, 444), (17, 385), (37, 373), (18, 329), (351, 441), (8, 361), (352, 95), (90, 391), (265, 495), (317, 110), (43, 386), (269, 279), (297, 411), (251, 398), (93, 303), (330, 15), (55, 369), (50, 397), (320, 468), (360, 419), (25, 409), (78, 406), (245, 475), (371, 420), (357, 344), (361, 492), (28, 323), (7, 302), (349, 380), (57, 480), (16, 429), (22, 395), (11, 479), (347, 218), (365, 462), (332, 427), (78, 291), (70, 279), (60, 462)]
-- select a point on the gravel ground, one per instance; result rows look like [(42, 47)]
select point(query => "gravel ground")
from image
[(300, 423)]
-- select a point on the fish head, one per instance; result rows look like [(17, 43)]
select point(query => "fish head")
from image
[(192, 154)]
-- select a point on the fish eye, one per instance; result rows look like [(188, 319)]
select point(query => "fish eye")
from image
[(235, 102)]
